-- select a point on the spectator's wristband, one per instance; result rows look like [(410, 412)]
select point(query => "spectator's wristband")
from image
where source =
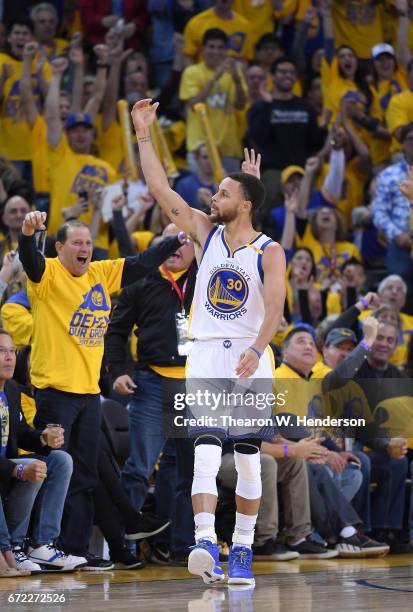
[(255, 351), (183, 239), (365, 345), (285, 450), (364, 302), (19, 473)]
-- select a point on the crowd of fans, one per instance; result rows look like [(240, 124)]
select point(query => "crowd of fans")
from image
[(321, 90)]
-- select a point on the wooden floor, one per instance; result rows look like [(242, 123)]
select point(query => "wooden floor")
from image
[(384, 584)]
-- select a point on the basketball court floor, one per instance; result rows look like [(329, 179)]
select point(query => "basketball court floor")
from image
[(383, 584)]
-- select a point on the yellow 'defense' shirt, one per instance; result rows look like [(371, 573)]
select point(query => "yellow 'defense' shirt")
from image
[(71, 173), (238, 30), (357, 23), (322, 253), (219, 106), (70, 318), (399, 112), (15, 134)]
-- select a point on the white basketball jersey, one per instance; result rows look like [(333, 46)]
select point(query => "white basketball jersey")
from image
[(228, 300)]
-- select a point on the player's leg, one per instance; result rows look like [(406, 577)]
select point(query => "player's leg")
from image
[(204, 557), (248, 497)]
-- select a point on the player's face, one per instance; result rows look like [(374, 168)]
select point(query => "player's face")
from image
[(76, 253), (334, 354), (227, 203), (7, 357), (301, 352)]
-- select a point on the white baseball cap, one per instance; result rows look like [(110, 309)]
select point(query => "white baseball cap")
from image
[(382, 48)]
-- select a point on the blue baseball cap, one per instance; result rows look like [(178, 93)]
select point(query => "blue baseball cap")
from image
[(79, 119)]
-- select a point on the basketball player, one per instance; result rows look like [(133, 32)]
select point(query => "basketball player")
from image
[(238, 304)]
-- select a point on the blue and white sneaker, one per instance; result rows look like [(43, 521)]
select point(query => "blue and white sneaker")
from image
[(49, 557), (239, 565), (203, 561)]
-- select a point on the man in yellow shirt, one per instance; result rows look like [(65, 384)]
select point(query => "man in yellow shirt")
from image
[(15, 135), (220, 16), (45, 20), (70, 300), (358, 23), (73, 169), (218, 83)]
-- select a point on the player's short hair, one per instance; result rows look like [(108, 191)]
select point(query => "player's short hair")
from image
[(61, 235), (252, 188), (214, 34)]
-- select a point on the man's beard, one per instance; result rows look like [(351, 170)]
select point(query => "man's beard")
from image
[(227, 217)]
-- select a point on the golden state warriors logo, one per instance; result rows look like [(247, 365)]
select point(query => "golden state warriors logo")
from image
[(227, 291)]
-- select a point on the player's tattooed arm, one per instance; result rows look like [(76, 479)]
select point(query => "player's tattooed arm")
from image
[(175, 212)]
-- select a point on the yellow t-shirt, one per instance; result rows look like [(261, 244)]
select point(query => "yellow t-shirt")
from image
[(399, 112), (382, 94), (238, 30), (357, 23), (70, 318), (391, 22), (58, 47), (259, 14), (15, 134), (109, 144), (40, 156), (322, 253), (220, 110), (71, 173), (18, 321), (28, 407)]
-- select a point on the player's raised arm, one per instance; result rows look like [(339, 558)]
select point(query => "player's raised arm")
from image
[(191, 221)]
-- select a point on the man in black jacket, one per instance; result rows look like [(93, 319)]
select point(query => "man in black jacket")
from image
[(24, 480), (152, 305)]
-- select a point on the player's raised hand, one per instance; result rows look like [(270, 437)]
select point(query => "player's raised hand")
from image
[(248, 363), (143, 114), (251, 163), (34, 222)]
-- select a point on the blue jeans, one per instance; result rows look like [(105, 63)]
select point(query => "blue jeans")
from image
[(348, 481), (47, 497), (80, 416), (147, 439), (387, 506)]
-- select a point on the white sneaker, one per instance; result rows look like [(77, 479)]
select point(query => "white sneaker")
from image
[(23, 562), (52, 557)]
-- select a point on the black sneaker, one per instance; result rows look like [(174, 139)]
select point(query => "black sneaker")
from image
[(159, 555), (311, 550), (147, 525), (273, 550), (124, 559), (359, 545), (96, 564)]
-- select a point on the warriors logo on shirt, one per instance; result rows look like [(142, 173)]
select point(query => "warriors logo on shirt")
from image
[(86, 324), (227, 293)]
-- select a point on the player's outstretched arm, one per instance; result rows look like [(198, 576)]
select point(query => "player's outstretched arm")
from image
[(191, 221)]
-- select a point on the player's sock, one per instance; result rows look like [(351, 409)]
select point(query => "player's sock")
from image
[(205, 527), (244, 529)]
